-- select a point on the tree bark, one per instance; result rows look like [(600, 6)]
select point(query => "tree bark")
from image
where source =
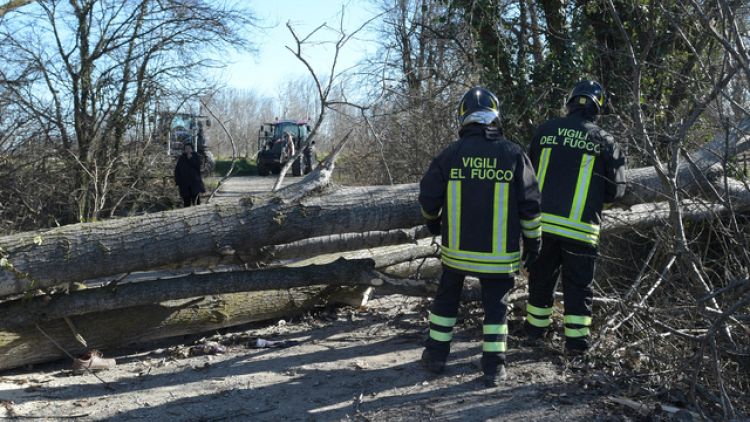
[(427, 268), (24, 312), (140, 324), (338, 243)]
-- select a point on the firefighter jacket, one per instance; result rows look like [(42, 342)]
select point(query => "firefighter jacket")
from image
[(579, 167), (484, 190)]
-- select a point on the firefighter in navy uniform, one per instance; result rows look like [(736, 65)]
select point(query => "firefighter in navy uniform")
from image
[(481, 195), (580, 168)]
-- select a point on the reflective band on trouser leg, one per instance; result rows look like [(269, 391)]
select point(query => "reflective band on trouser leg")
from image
[(495, 338), (577, 326), (441, 328), (454, 213), (578, 319), (577, 332), (538, 317), (532, 228), (543, 164), (582, 186), (500, 218)]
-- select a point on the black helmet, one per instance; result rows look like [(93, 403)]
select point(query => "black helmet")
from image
[(478, 105), (588, 90)]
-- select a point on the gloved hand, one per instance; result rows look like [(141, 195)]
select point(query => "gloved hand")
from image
[(434, 226), (529, 257)]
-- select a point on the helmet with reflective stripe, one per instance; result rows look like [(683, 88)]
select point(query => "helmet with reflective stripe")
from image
[(478, 105), (588, 90)]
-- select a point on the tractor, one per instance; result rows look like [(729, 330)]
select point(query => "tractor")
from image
[(277, 144), (178, 129)]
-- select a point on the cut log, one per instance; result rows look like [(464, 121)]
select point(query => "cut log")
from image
[(110, 329)]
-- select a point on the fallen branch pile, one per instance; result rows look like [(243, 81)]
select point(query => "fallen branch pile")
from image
[(310, 244)]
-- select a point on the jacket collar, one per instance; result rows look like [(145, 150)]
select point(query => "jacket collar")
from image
[(583, 113), (480, 130)]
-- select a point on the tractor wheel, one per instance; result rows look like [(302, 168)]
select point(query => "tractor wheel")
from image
[(262, 169), (296, 167)]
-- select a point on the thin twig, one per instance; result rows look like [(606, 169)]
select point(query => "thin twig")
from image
[(62, 349), (234, 151)]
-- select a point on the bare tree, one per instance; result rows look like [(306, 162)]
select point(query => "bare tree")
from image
[(100, 64), (707, 278), (325, 87)]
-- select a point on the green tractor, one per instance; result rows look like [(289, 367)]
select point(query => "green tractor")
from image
[(278, 142)]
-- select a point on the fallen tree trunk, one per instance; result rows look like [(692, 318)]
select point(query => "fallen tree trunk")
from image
[(342, 272), (644, 184), (644, 216), (428, 268), (103, 249), (337, 243), (86, 251), (359, 270), (117, 328)]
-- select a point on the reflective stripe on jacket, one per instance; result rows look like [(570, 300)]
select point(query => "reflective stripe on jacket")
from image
[(580, 168), (485, 191)]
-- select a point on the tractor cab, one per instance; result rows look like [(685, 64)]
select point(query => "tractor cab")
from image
[(278, 142), (178, 129)]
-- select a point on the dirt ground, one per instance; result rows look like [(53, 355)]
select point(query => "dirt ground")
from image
[(348, 364)]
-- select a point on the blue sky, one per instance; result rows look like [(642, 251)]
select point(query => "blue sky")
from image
[(273, 64)]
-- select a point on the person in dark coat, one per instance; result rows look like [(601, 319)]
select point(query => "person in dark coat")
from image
[(480, 194), (580, 169), (187, 176)]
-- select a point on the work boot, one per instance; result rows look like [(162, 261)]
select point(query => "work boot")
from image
[(431, 363), (534, 342), (575, 347), (491, 379), (576, 353), (535, 337)]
